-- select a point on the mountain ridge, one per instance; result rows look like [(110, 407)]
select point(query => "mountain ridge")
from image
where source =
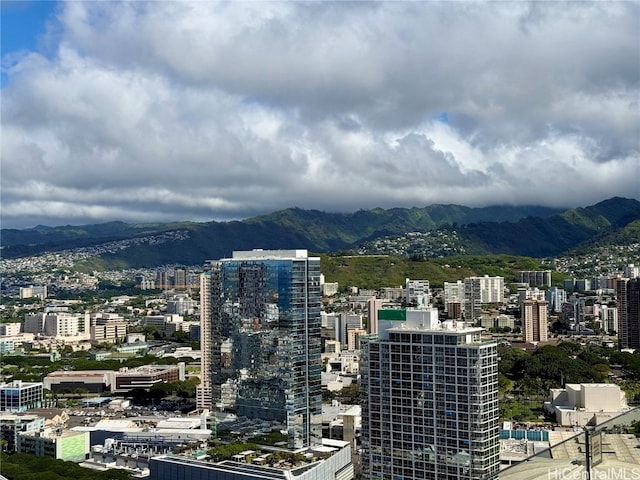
[(532, 231)]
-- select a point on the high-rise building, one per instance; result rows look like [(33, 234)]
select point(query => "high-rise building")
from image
[(631, 271), (453, 293), (535, 325), (556, 297), (529, 294), (609, 318), (353, 338), (599, 283), (479, 291), (535, 278), (328, 289), (373, 305), (472, 304), (628, 302), (429, 399), (353, 320), (56, 324), (417, 291), (261, 334), (162, 280), (179, 279), (330, 325)]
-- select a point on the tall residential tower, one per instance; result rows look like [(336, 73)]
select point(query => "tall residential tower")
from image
[(535, 323), (479, 291), (429, 400), (628, 302), (260, 328)]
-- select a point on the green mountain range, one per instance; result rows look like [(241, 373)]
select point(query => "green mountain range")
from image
[(542, 237), (529, 231)]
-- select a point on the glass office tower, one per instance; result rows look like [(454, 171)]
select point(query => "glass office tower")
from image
[(429, 399), (261, 328)]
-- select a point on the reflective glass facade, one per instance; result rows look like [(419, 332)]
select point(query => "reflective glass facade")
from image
[(264, 339)]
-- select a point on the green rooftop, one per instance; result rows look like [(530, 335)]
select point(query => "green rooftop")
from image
[(392, 314)]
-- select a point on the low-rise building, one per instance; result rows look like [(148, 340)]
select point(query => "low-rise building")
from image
[(169, 324), (107, 327), (586, 403), (11, 425), (19, 396), (10, 329), (343, 425), (124, 380), (14, 342), (147, 376), (132, 348), (497, 322), (38, 291), (331, 460), (56, 443), (6, 346), (181, 304), (95, 381)]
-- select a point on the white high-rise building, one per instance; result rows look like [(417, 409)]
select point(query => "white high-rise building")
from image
[(453, 293), (479, 291), (631, 271), (609, 318), (416, 290), (56, 324), (429, 400)]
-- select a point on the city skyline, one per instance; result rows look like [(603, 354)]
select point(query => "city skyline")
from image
[(165, 111)]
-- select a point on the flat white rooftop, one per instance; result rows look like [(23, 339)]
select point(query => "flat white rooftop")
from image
[(260, 254)]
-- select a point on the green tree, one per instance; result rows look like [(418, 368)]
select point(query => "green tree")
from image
[(509, 361)]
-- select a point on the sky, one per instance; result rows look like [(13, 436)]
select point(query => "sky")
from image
[(164, 111)]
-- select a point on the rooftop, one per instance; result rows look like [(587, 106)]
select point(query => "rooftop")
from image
[(260, 254), (79, 373), (145, 370)]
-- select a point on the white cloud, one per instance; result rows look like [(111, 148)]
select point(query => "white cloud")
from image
[(206, 110)]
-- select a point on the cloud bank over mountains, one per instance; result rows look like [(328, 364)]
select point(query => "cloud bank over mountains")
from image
[(159, 111)]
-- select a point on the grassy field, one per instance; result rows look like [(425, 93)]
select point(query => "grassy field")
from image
[(386, 271)]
